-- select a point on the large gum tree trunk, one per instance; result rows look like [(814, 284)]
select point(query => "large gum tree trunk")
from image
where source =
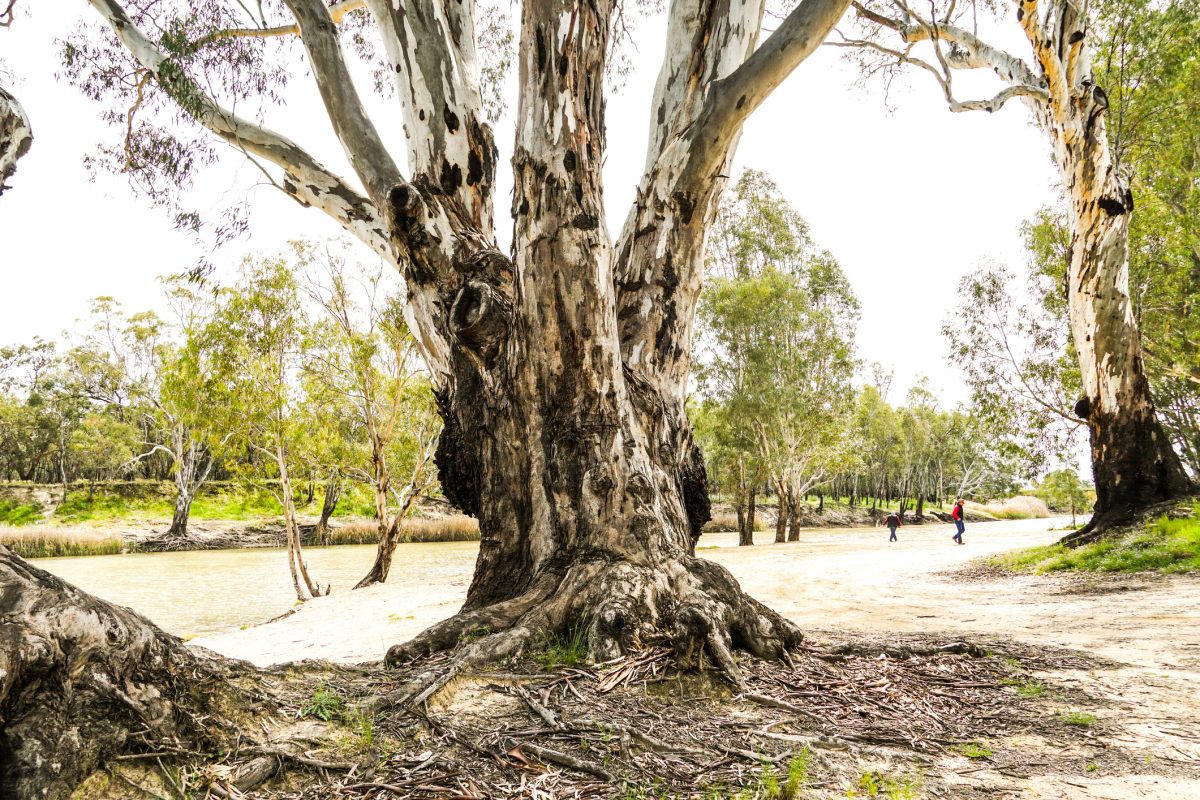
[(564, 431), (82, 680), (561, 372), (1133, 463)]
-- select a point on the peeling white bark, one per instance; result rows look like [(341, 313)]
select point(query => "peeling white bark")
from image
[(16, 136)]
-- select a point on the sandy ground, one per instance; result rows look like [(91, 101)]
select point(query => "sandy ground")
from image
[(837, 582)]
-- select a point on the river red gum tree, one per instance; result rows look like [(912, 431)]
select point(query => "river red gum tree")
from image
[(560, 368), (1133, 462)]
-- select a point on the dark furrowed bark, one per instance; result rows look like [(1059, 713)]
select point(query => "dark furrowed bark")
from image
[(82, 680), (1134, 468)]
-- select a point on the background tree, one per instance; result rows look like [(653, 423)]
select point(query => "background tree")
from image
[(777, 324), (161, 375), (1064, 491), (366, 356), (1133, 461), (259, 332), (1014, 355)]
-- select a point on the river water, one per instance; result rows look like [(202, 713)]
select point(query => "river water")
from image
[(210, 591)]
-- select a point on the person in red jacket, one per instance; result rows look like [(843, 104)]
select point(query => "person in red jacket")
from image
[(959, 521)]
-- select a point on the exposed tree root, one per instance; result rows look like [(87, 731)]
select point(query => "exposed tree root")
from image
[(1121, 520), (83, 680), (695, 605)]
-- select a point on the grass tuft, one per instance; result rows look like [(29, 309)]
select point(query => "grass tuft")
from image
[(973, 750), (569, 649), (1079, 719), (325, 705), (875, 784), (1166, 545), (50, 542)]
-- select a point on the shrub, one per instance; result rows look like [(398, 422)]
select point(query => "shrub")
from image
[(47, 542), (454, 528), (1019, 507), (13, 513)]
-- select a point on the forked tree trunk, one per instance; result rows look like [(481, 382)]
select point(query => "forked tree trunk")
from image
[(82, 680), (329, 504), (561, 372)]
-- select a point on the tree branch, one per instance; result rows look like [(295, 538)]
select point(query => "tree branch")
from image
[(734, 98), (337, 12), (370, 159), (306, 180), (430, 45), (970, 52)]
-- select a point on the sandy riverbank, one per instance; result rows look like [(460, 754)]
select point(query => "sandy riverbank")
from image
[(837, 583)]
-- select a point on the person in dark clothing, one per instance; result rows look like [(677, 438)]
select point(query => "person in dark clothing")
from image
[(959, 520), (892, 522)]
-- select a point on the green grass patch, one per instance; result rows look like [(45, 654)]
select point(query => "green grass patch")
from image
[(13, 513), (325, 705), (1166, 545), (876, 784), (567, 649), (973, 750), (1079, 719)]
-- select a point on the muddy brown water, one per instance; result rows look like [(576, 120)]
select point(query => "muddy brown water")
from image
[(209, 591), (201, 593)]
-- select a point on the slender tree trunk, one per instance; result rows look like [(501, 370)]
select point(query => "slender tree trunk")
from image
[(296, 563), (182, 512), (920, 512), (793, 517), (388, 530), (333, 495), (781, 517)]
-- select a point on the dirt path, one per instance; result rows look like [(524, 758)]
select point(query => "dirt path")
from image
[(1145, 743)]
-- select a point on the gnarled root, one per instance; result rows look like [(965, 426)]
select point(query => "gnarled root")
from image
[(82, 680), (698, 606)]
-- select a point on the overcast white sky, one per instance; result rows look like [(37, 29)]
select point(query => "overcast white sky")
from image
[(908, 201)]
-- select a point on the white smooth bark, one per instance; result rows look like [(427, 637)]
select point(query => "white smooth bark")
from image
[(16, 135)]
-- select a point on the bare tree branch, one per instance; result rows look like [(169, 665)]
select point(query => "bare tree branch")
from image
[(306, 180), (337, 12)]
